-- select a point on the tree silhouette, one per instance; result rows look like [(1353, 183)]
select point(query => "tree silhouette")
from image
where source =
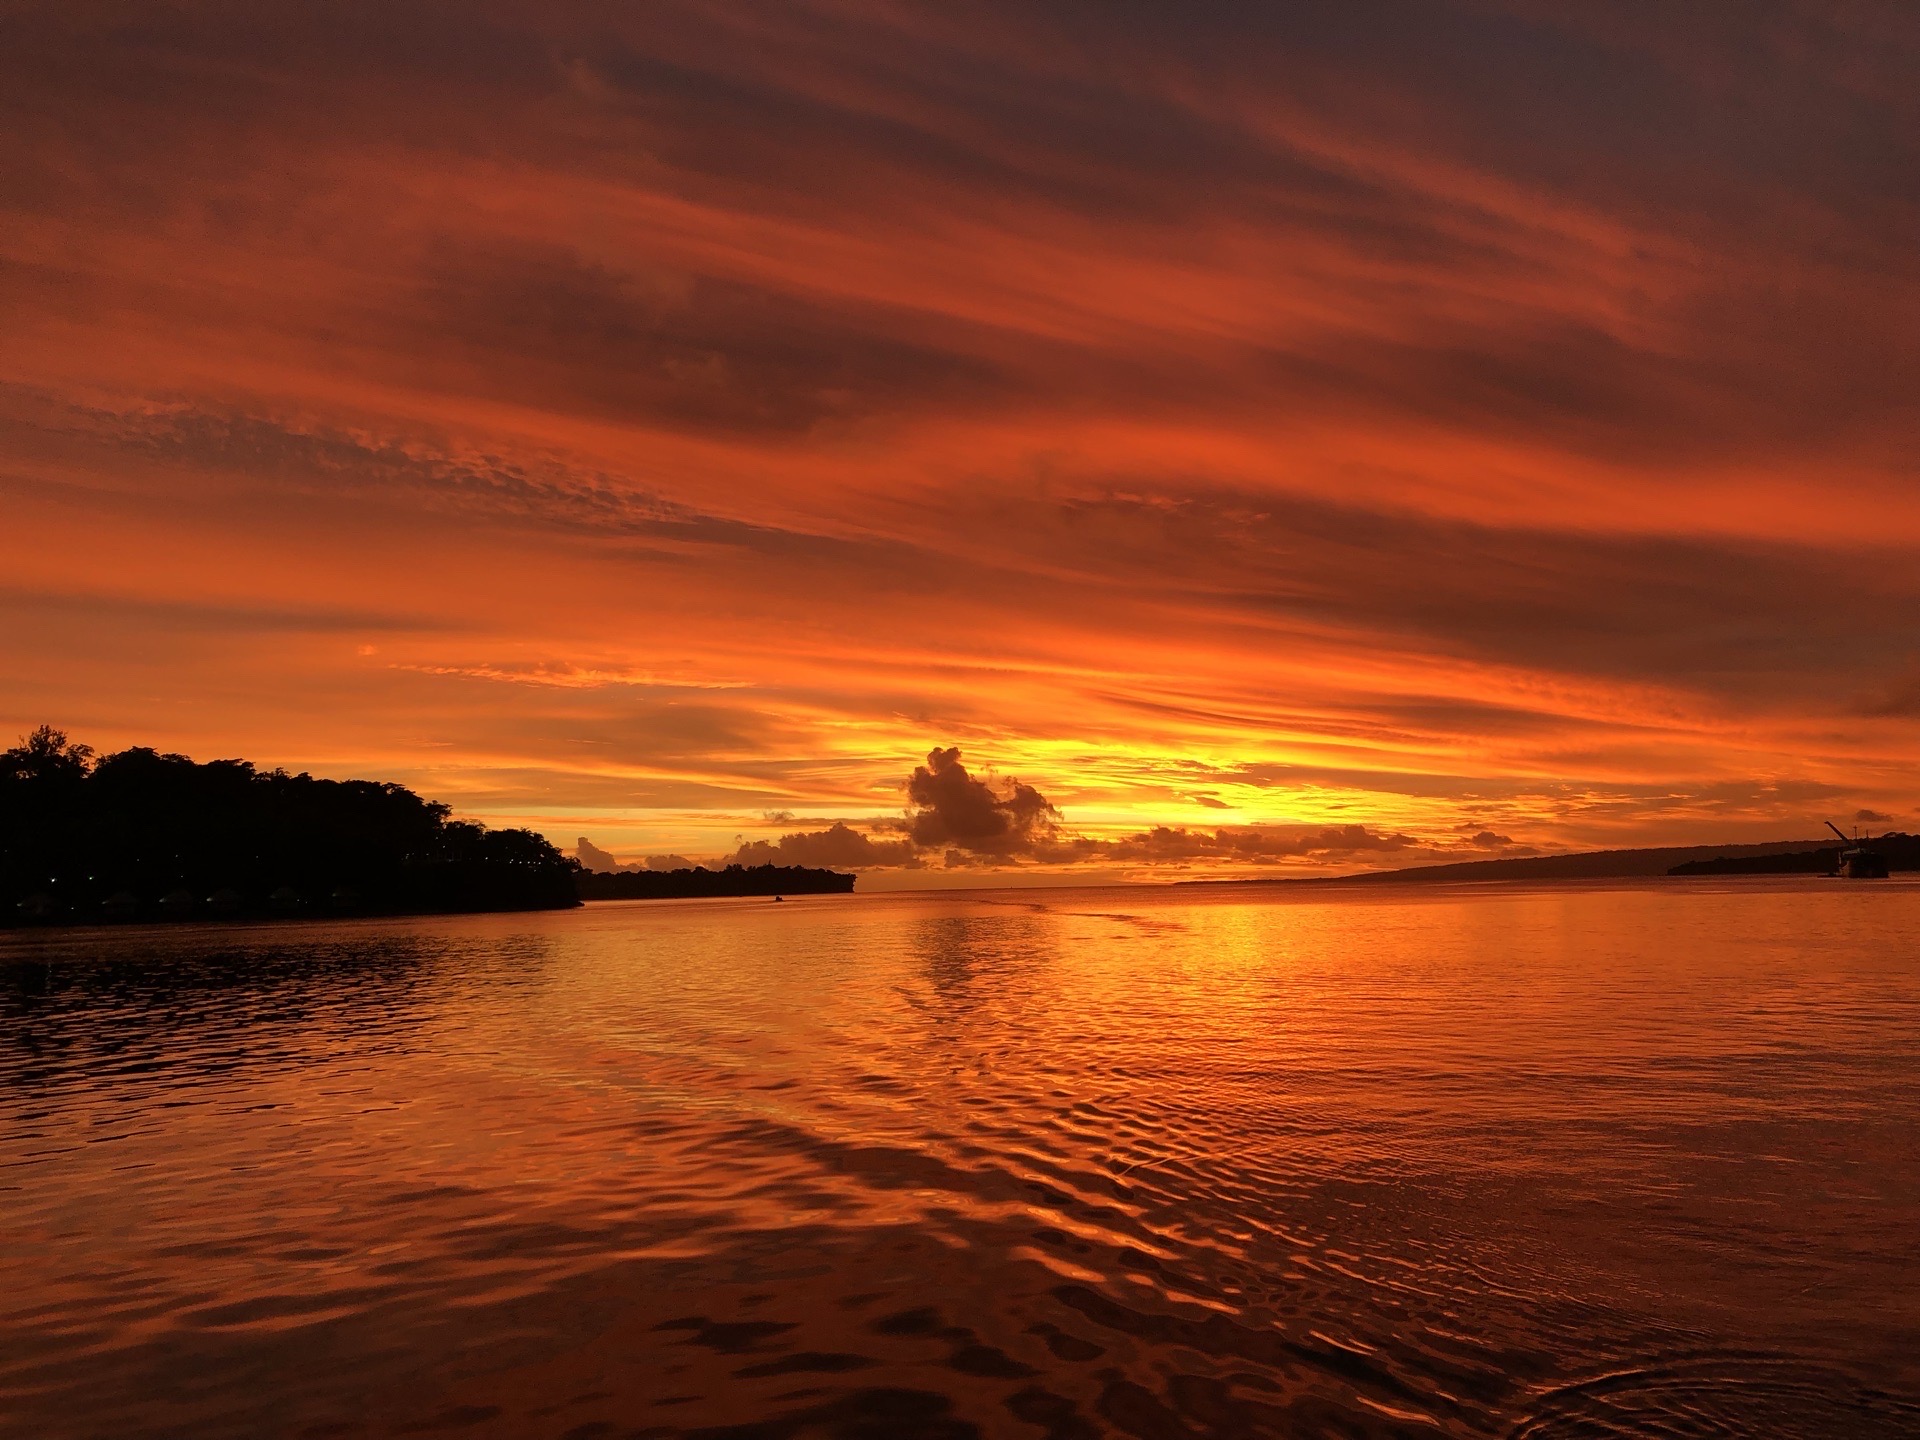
[(47, 757), (111, 838)]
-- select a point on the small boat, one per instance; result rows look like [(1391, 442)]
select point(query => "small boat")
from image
[(1857, 862)]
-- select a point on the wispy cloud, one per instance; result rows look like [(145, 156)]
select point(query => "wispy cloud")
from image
[(1408, 416)]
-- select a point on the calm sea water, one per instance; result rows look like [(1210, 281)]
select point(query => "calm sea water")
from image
[(1634, 1160)]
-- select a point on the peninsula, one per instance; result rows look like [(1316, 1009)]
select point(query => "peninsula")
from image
[(141, 835)]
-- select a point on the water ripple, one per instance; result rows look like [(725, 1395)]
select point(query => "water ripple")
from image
[(1525, 1163)]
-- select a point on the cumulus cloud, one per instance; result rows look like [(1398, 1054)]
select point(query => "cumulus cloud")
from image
[(593, 857), (1874, 815), (948, 806), (1250, 844), (952, 817), (837, 846)]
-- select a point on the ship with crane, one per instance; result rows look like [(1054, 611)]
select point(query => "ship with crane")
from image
[(1857, 861)]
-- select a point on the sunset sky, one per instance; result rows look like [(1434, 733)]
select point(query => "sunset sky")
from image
[(1065, 439)]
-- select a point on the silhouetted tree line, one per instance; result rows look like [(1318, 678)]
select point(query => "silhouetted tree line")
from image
[(142, 835), (700, 882)]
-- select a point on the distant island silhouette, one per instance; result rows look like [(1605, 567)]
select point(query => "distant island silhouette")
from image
[(1778, 857), (1900, 851)]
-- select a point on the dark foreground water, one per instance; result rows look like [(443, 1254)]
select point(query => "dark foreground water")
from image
[(1612, 1161)]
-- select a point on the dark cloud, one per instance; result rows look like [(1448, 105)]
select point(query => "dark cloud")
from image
[(42, 612), (837, 846), (1877, 816), (1715, 612), (949, 807), (952, 815), (261, 462), (1421, 153), (1250, 844), (422, 468), (1897, 699), (699, 353)]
